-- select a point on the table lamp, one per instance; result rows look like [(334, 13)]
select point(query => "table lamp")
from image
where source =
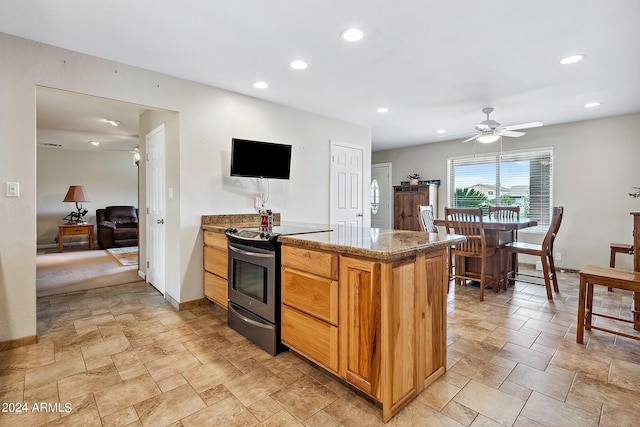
[(76, 194)]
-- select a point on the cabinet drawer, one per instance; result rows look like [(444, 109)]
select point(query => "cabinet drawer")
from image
[(317, 262), (73, 231), (311, 337), (216, 240), (216, 289), (314, 295), (215, 261)]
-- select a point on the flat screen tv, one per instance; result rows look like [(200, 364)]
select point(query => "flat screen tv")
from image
[(258, 159)]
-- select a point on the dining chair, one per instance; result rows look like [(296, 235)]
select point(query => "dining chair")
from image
[(468, 222), (506, 213), (544, 251), (426, 219)]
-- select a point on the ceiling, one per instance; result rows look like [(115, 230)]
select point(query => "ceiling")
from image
[(433, 64)]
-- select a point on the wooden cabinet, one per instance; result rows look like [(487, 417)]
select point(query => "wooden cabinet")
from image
[(310, 304), (406, 199), (379, 325), (215, 268)]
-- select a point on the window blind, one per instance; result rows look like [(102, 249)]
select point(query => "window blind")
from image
[(523, 178)]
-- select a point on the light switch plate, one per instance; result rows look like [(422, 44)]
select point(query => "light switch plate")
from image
[(13, 189)]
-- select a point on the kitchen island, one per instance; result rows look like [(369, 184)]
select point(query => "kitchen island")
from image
[(369, 306)]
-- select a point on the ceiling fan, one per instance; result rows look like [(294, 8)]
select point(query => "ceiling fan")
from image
[(489, 130)]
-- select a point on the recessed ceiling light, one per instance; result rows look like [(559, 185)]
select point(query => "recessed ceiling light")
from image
[(591, 104), (298, 65), (571, 59), (441, 131), (113, 122), (260, 85), (352, 35), (95, 143), (382, 110)]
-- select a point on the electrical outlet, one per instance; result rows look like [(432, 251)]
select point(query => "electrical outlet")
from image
[(558, 256)]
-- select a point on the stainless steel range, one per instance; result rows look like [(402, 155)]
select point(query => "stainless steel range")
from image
[(254, 282)]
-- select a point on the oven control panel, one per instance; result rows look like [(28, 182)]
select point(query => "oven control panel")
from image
[(248, 234)]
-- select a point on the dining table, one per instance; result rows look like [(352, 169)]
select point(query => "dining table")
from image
[(498, 232)]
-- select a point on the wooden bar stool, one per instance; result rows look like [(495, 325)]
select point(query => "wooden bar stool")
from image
[(618, 248), (613, 278)]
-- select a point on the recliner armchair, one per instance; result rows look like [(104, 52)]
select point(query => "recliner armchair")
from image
[(117, 226)]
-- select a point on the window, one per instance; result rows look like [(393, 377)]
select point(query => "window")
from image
[(523, 178)]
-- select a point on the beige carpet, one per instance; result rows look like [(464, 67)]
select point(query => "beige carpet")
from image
[(125, 256), (60, 273)]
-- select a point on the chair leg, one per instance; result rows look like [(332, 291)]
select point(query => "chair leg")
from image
[(505, 256), (552, 270), (612, 264), (483, 280), (547, 279)]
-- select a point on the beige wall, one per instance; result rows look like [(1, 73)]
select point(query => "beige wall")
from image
[(109, 177), (595, 167), (208, 119)]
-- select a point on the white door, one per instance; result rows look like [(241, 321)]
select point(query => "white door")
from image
[(381, 196), (155, 274), (347, 195)]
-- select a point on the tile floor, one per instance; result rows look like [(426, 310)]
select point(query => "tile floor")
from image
[(121, 356)]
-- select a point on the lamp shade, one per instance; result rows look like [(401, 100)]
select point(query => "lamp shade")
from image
[(488, 138), (76, 193)]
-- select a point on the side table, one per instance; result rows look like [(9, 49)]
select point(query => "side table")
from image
[(74, 230)]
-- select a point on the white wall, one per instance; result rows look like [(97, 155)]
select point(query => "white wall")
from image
[(209, 118), (109, 178), (595, 167)]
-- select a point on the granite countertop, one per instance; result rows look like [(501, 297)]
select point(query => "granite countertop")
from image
[(375, 243), (219, 223)]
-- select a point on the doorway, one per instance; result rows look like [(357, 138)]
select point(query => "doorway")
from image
[(381, 196), (89, 141)]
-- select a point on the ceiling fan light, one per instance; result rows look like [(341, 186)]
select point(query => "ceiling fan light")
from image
[(488, 139)]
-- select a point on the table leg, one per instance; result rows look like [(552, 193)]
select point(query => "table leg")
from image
[(91, 237), (581, 305), (60, 241)]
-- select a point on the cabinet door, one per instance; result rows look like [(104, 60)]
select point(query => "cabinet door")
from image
[(360, 324), (406, 202), (431, 294)]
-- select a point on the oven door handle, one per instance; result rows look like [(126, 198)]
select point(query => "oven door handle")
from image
[(249, 321), (257, 254)]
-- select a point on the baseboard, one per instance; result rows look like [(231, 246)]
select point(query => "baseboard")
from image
[(67, 245), (20, 342), (558, 269), (191, 304), (142, 275)]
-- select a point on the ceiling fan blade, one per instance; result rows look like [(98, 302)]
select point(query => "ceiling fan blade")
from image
[(470, 139), (510, 133), (524, 125)]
